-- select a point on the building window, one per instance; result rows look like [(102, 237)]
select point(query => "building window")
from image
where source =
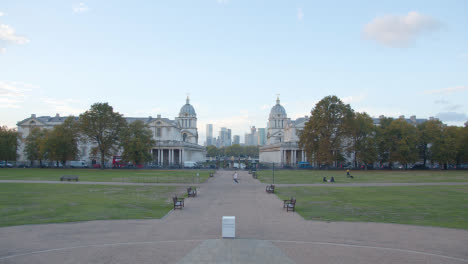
[(184, 137), (158, 132)]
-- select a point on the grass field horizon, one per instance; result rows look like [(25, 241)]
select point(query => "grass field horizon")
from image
[(362, 176), (25, 203), (107, 175), (440, 206)]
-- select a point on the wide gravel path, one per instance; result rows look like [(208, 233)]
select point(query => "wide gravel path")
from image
[(265, 233)]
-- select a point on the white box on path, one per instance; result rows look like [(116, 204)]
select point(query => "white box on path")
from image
[(229, 226)]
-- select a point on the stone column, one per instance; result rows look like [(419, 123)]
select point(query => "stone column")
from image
[(293, 158), (172, 156), (162, 157)]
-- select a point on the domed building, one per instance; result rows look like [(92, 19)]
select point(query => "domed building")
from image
[(282, 138), (176, 140)]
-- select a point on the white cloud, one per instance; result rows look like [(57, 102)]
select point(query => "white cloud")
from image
[(1, 14), (448, 90), (13, 93), (300, 14), (399, 31), (63, 106), (222, 1), (80, 8), (7, 34), (354, 98)]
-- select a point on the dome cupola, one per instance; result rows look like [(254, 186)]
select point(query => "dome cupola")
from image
[(278, 110), (187, 109)]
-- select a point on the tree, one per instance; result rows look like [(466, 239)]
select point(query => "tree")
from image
[(33, 143), (444, 149), (136, 141), (8, 143), (61, 143), (362, 133), (211, 151), (383, 139), (102, 127), (323, 135), (428, 133), (403, 142)]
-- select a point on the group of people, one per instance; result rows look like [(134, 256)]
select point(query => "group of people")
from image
[(348, 175)]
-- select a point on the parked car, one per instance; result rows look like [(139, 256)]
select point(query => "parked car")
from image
[(78, 164), (6, 165)]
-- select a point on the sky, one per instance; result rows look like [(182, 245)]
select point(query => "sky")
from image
[(233, 58)]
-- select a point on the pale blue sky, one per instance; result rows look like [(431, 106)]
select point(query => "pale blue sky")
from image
[(233, 57)]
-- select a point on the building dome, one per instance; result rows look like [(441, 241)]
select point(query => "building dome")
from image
[(187, 109), (278, 110)]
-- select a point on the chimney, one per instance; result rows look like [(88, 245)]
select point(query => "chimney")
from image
[(57, 115), (33, 115)]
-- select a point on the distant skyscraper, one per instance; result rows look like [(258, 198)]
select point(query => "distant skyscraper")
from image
[(236, 140), (224, 137), (209, 134), (252, 138), (261, 136)]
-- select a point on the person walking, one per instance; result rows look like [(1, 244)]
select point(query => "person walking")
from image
[(347, 172), (235, 177)]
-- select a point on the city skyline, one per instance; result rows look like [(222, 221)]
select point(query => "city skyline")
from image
[(233, 58)]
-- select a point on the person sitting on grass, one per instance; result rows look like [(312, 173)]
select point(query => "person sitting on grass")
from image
[(332, 179), (324, 179)]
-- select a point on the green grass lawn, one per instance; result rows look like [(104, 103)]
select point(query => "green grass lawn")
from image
[(23, 203), (108, 175), (360, 176), (443, 206)]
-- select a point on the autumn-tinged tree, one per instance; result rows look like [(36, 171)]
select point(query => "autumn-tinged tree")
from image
[(102, 127), (61, 143), (8, 143), (383, 139), (428, 133), (403, 142), (362, 139), (136, 141), (212, 151), (444, 148), (33, 143), (324, 134)]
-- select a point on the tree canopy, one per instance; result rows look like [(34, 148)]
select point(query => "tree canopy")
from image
[(136, 141)]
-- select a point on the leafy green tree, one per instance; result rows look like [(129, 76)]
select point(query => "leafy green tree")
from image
[(136, 141), (428, 133), (251, 151), (8, 143), (444, 148), (462, 143), (212, 151), (383, 139), (403, 140), (362, 139), (33, 142), (323, 135), (61, 143), (102, 127)]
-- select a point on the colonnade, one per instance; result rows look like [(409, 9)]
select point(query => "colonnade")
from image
[(295, 156), (171, 158)]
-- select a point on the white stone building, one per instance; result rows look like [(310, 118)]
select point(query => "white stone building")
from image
[(176, 140), (282, 138)]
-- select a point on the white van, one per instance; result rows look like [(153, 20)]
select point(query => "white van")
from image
[(190, 164), (78, 164)]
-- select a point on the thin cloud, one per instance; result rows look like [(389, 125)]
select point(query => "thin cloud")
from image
[(448, 90), (9, 36), (1, 14), (12, 94), (222, 1), (300, 14), (441, 101), (62, 106), (452, 117), (354, 98), (399, 31), (80, 8)]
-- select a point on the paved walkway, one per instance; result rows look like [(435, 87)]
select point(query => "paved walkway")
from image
[(265, 234)]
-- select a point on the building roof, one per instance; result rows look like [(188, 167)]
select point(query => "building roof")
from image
[(187, 109), (278, 111)]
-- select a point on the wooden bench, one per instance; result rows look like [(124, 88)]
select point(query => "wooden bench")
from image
[(289, 204), (270, 188), (178, 202), (69, 178), (191, 192)]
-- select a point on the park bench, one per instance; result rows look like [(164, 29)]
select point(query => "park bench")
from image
[(270, 188), (178, 202), (69, 178), (289, 204), (191, 192)]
